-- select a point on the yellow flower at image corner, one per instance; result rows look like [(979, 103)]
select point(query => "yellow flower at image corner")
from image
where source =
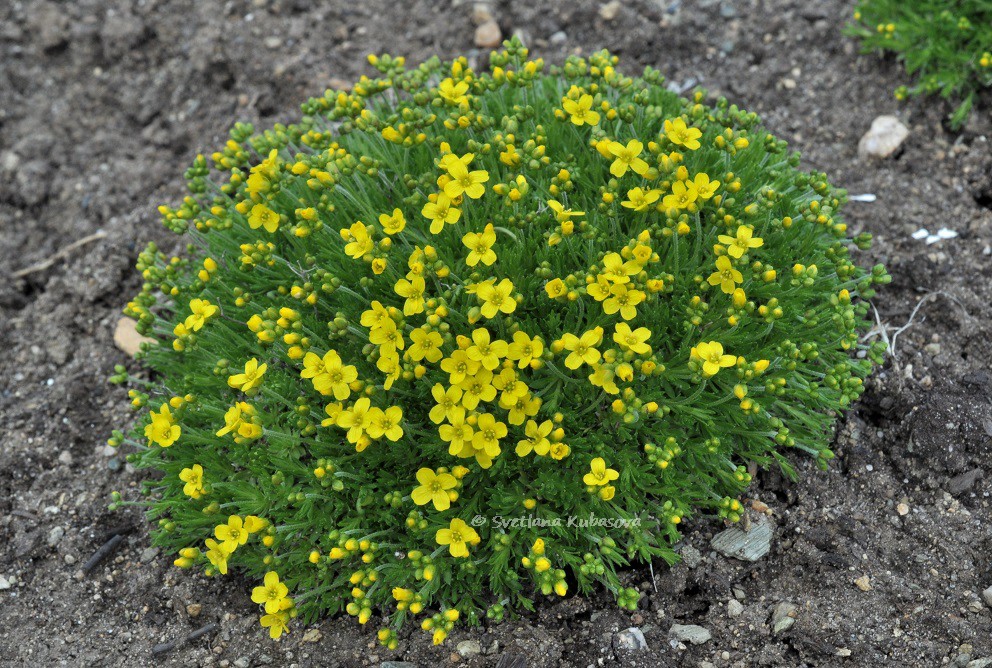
[(562, 214), (233, 532), (193, 477), (712, 356), (359, 242), (433, 489), (453, 93), (162, 430), (725, 275), (201, 310), (393, 223), (626, 157), (458, 536), (580, 110), (682, 135), (440, 212), (741, 242), (262, 216), (480, 245), (251, 378), (271, 593), (413, 291), (582, 350), (462, 180), (598, 473), (634, 341), (218, 553), (639, 199), (537, 439), (497, 298), (683, 196)]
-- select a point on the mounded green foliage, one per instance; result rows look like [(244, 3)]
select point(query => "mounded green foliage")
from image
[(946, 45), (458, 339)]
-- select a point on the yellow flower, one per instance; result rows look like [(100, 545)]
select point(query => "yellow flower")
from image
[(356, 420), (626, 157), (537, 439), (519, 408), (233, 532), (458, 536), (683, 196), (385, 423), (377, 316), (459, 366), (251, 378), (725, 275), (201, 310), (329, 374), (193, 477), (598, 474), (271, 594), (741, 243), (485, 351), (440, 212), (580, 110), (497, 298), (277, 623), (162, 430), (624, 300), (359, 242), (254, 524), (481, 246), (582, 349), (456, 433), (604, 377), (476, 388), (640, 200), (447, 401), (453, 93), (392, 224), (681, 135), (263, 216), (218, 553), (634, 341), (615, 270), (239, 420), (462, 180), (433, 488), (563, 215), (525, 349), (711, 354), (704, 187), (425, 345), (413, 291), (555, 288)]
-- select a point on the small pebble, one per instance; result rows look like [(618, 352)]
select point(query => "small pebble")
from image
[(5, 582), (610, 10), (194, 609), (987, 595), (630, 640), (784, 616), (734, 608), (863, 583), (55, 536), (887, 133), (273, 42), (690, 633), (902, 509), (488, 35), (468, 648)]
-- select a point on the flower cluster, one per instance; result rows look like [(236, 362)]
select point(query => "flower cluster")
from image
[(946, 45), (449, 295)]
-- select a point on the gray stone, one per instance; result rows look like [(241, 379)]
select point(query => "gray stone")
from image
[(783, 617), (980, 663), (55, 536), (987, 595), (397, 664), (886, 134), (469, 648), (148, 554), (242, 662), (734, 608), (559, 37), (745, 545), (691, 556), (5, 583), (629, 640), (690, 633)]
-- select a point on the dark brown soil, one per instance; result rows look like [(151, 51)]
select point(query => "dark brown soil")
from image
[(104, 102)]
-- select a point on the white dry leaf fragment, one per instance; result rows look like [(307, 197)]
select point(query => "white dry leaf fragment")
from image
[(866, 197), (921, 233), (941, 234)]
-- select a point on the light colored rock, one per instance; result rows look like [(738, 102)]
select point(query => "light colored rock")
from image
[(312, 635), (902, 509), (468, 648), (5, 583), (691, 556), (734, 608), (488, 35), (863, 583), (610, 10), (886, 134), (482, 12), (126, 336), (980, 663), (194, 609), (987, 595), (630, 640), (690, 633), (55, 536), (784, 616), (745, 545)]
